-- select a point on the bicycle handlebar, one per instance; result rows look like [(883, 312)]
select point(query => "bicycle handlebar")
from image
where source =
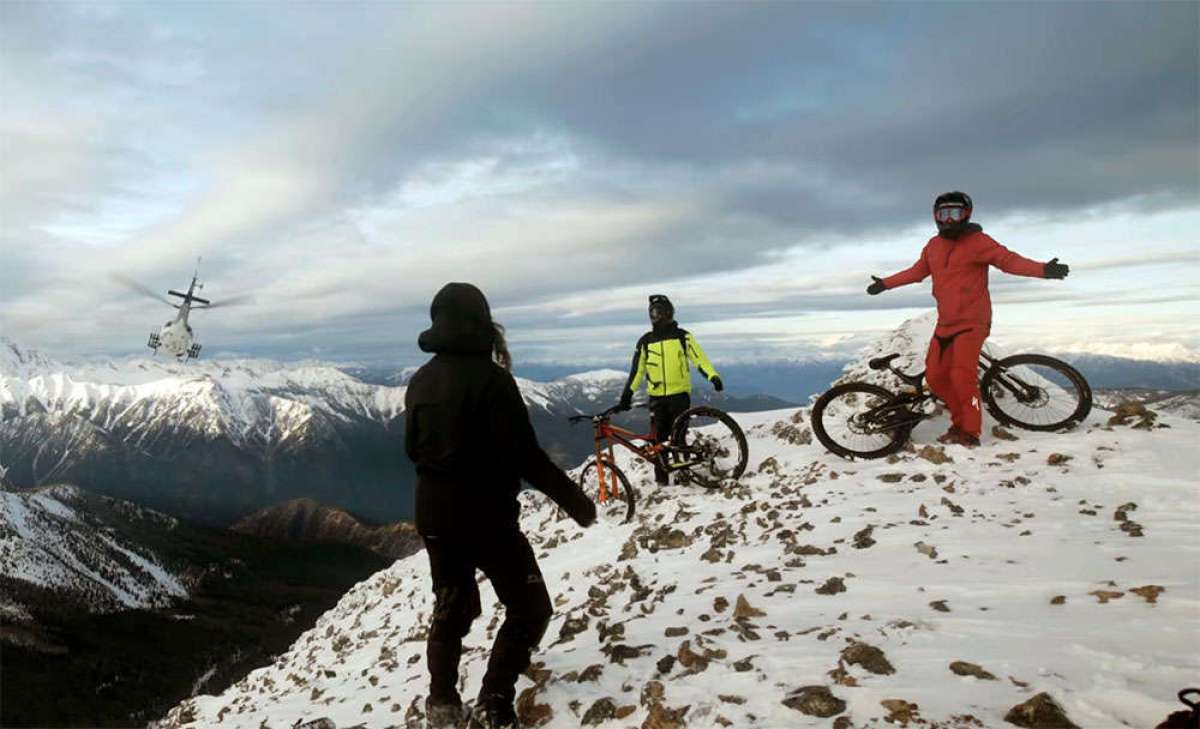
[(604, 415)]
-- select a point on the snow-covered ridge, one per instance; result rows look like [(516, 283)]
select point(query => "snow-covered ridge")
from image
[(945, 585), (48, 540)]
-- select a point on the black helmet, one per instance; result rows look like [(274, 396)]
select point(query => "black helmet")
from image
[(952, 210), (661, 308)]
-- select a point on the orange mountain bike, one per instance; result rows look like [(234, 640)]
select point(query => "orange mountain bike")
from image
[(707, 447)]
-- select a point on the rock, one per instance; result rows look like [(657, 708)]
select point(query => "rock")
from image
[(867, 656), (599, 712), (1058, 600), (1002, 434), (1040, 712), (629, 550), (743, 665), (862, 538), (621, 652), (962, 668), (531, 713), (689, 659), (665, 664), (953, 507), (832, 586), (899, 711), (815, 701), (661, 717), (720, 604), (321, 723), (1058, 459), (1105, 595), (591, 673), (891, 477), (940, 606), (1132, 528), (928, 550), (934, 454), (731, 699), (1134, 414), (1149, 592), (572, 627), (792, 434), (743, 610), (675, 632), (652, 693)]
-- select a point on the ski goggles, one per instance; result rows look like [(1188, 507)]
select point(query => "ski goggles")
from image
[(951, 214)]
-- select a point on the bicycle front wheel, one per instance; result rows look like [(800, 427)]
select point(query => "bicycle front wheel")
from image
[(859, 420), (609, 488), (1036, 392), (708, 447)]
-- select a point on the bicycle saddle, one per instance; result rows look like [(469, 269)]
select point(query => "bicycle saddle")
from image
[(880, 363)]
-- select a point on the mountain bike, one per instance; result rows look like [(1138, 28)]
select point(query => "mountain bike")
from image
[(1029, 391), (707, 447)]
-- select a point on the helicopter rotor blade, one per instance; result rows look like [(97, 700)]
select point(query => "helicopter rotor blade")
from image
[(232, 301), (139, 288)]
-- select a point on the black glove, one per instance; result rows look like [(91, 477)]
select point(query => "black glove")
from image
[(1054, 269), (717, 384), (582, 509), (626, 400), (877, 287)]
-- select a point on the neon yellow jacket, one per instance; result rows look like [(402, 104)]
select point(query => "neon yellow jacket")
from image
[(662, 357)]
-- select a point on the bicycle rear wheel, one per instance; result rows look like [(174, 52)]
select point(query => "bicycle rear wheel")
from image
[(709, 446), (1036, 392), (856, 420), (614, 497)]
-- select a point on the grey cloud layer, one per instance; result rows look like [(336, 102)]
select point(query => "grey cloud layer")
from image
[(623, 145)]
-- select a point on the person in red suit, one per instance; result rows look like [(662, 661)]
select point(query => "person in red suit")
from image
[(958, 258)]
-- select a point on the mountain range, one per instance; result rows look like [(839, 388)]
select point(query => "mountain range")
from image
[(213, 441)]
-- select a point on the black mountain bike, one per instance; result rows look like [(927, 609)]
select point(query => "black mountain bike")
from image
[(1030, 391)]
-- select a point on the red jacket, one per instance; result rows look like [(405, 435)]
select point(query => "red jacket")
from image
[(960, 277)]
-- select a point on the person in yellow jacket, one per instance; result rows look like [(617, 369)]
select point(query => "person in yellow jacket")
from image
[(662, 357)]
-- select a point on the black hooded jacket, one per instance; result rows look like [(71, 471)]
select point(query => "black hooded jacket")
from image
[(468, 430)]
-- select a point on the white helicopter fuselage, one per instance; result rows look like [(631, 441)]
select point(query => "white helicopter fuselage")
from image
[(175, 337)]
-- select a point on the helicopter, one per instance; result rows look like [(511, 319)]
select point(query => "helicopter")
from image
[(177, 338)]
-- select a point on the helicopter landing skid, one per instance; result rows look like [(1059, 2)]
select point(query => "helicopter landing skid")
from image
[(193, 351)]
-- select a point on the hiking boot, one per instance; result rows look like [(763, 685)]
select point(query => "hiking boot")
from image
[(967, 440), (444, 714), (493, 711), (950, 436)]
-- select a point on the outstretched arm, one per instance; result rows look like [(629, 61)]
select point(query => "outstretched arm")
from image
[(1008, 261), (914, 273)]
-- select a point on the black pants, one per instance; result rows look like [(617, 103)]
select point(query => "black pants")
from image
[(663, 411), (508, 562)]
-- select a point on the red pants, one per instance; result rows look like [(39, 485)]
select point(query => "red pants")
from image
[(951, 369)]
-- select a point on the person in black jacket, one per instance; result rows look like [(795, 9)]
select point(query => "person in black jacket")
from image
[(469, 434)]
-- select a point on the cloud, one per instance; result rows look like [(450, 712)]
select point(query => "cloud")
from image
[(758, 161)]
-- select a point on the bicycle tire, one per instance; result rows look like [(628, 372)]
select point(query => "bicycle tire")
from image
[(994, 392), (731, 439), (615, 510), (898, 436)]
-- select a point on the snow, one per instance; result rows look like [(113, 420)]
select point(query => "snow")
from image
[(46, 541), (1011, 532)]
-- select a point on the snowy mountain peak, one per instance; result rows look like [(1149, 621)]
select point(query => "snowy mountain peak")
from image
[(945, 585)]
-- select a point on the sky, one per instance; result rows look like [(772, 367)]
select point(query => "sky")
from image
[(757, 162)]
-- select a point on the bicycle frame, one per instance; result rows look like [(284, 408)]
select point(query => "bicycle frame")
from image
[(607, 436)]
